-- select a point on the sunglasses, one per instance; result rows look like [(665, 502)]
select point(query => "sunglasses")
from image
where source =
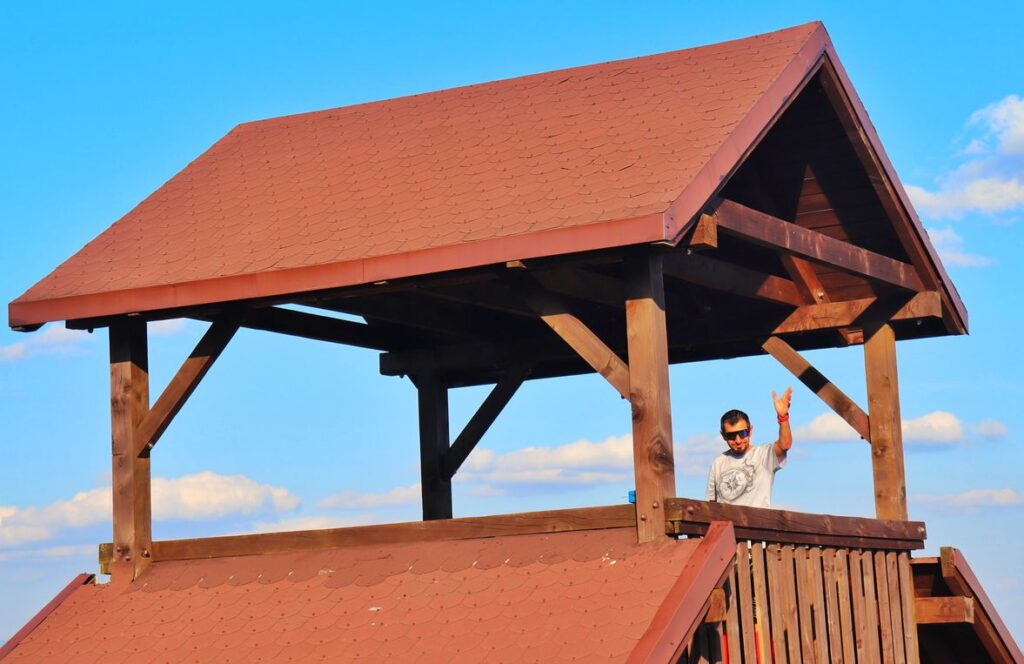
[(733, 435)]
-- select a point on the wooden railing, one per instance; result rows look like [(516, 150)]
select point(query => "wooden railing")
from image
[(808, 587)]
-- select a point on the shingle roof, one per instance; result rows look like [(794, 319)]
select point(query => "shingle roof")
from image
[(593, 596), (560, 162)]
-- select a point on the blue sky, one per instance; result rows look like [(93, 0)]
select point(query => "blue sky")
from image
[(103, 103)]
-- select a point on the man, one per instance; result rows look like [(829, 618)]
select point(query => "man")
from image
[(743, 474)]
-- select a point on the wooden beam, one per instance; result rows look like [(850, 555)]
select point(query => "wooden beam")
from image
[(997, 640), (483, 418), (553, 521), (691, 517), (717, 609), (182, 385), (317, 328), (813, 291), (943, 610), (704, 234), (729, 278), (848, 313), (129, 401), (582, 284), (647, 338), (833, 397), (885, 431), (435, 485), (580, 338), (769, 231)]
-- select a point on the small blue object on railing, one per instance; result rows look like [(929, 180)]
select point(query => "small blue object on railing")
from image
[(632, 496)]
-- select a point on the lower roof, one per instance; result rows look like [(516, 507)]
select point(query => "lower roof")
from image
[(591, 595)]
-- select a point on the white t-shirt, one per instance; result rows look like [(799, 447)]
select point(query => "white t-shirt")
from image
[(744, 479)]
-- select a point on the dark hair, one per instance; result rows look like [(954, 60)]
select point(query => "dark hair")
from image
[(733, 417)]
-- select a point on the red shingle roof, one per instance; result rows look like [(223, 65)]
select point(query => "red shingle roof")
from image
[(592, 596), (604, 155)]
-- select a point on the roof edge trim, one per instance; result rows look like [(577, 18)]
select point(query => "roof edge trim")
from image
[(14, 641), (684, 606), (557, 241)]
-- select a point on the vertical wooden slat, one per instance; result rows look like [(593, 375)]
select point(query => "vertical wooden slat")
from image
[(884, 608), (732, 612), (129, 402), (744, 566), (435, 485), (815, 572), (835, 625), (770, 609), (647, 342), (884, 422), (845, 601), (870, 607), (907, 606), (803, 602), (790, 606), (895, 607), (860, 620)]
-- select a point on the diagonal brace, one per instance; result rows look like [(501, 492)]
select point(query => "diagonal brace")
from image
[(183, 384), (833, 397), (484, 417), (580, 338)]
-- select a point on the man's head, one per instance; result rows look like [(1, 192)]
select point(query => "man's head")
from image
[(736, 430)]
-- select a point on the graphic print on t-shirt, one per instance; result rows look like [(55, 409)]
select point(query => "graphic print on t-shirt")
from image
[(736, 482)]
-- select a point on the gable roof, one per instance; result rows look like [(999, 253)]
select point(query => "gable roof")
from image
[(586, 595), (581, 159)]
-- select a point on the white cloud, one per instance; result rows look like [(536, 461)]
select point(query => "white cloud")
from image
[(825, 427), (69, 551), (578, 463), (694, 455), (316, 522), (207, 495), (990, 179), (50, 340), (950, 245), (204, 495), (352, 500), (971, 500), (936, 428), (992, 429), (163, 328), (1004, 120)]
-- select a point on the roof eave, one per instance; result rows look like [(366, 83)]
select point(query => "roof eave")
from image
[(26, 315)]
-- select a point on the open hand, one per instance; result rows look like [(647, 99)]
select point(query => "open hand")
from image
[(782, 403)]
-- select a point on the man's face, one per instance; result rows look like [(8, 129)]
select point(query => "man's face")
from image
[(738, 435)]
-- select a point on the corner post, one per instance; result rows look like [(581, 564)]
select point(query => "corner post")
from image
[(884, 424), (129, 403), (647, 340), (435, 485)]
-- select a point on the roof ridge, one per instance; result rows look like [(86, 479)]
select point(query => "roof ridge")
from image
[(574, 69)]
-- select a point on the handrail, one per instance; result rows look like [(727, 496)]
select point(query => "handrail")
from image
[(691, 517)]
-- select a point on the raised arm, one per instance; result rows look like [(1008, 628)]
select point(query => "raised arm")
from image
[(785, 440)]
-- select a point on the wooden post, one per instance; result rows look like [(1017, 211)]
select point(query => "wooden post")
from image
[(435, 485), (129, 403), (647, 340), (884, 422)]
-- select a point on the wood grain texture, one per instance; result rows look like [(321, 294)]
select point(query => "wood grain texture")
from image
[(885, 426), (729, 278), (774, 233), (553, 521), (690, 516), (647, 338), (745, 591), (944, 610), (183, 384), (912, 648), (129, 402)]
